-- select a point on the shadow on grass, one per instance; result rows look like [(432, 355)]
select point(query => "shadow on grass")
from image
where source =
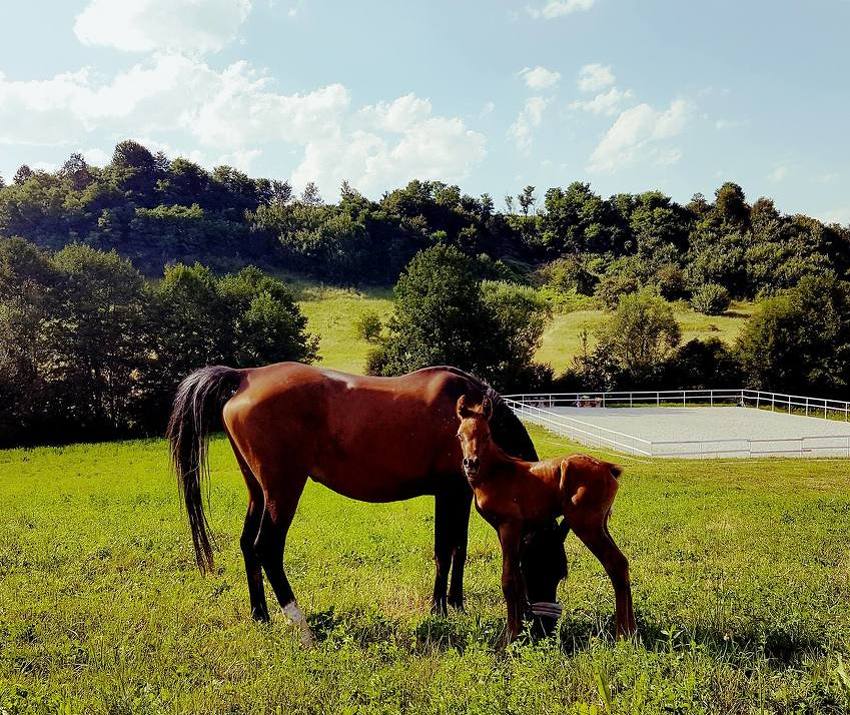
[(784, 644)]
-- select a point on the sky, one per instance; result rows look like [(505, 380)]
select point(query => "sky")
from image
[(629, 95)]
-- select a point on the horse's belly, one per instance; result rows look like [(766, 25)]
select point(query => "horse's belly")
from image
[(374, 485)]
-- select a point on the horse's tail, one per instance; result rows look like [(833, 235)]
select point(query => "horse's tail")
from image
[(196, 413)]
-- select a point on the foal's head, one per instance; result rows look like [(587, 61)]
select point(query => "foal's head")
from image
[(473, 433)]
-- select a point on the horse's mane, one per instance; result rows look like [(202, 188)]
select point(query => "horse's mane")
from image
[(507, 429)]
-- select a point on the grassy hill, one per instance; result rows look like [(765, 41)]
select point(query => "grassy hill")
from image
[(739, 569), (332, 313)]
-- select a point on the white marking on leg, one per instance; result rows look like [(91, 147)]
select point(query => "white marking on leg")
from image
[(296, 615)]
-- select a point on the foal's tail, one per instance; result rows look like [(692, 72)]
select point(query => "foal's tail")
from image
[(196, 413)]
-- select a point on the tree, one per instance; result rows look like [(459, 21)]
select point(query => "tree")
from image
[(442, 317), (799, 340), (641, 335), (526, 200), (134, 168), (311, 195), (22, 174)]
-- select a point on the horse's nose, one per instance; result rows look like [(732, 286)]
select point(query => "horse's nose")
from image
[(470, 463)]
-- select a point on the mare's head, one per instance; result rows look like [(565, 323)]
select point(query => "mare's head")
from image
[(543, 561)]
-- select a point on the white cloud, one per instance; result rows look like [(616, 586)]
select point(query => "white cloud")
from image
[(840, 215), (527, 120), (559, 8), (778, 174), (539, 77), (234, 115), (192, 26), (595, 77), (722, 124), (636, 134), (607, 103)]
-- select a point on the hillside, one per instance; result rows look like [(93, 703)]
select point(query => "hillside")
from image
[(332, 312)]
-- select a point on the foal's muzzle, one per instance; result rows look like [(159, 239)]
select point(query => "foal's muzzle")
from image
[(471, 465)]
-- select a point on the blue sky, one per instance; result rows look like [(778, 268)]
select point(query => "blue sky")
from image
[(627, 94)]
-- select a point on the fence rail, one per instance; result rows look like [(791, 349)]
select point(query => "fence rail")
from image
[(538, 408), (810, 406)]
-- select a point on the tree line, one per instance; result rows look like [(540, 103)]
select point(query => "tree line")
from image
[(156, 211), (446, 311), (92, 349)]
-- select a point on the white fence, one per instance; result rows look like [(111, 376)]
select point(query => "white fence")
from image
[(538, 408), (810, 406)]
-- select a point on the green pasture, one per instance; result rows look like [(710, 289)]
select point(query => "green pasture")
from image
[(740, 569), (332, 313)]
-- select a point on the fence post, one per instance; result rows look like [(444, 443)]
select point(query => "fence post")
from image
[(807, 407), (683, 398), (630, 399), (603, 399), (773, 402), (711, 397)]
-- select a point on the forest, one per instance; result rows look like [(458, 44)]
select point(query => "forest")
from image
[(156, 211)]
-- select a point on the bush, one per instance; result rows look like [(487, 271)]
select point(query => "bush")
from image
[(614, 286), (569, 274), (711, 299), (368, 327)]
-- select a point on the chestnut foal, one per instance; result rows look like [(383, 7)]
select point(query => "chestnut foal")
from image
[(517, 498)]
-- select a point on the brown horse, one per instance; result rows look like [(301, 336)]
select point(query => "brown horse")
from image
[(517, 497), (369, 438)]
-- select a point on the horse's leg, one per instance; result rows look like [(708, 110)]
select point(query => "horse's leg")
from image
[(253, 569), (443, 544), (595, 536), (281, 502), (460, 522)]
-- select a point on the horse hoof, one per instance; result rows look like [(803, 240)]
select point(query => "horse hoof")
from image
[(457, 605), (260, 615), (438, 608)]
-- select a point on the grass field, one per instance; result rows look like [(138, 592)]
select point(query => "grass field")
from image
[(332, 312), (741, 577)]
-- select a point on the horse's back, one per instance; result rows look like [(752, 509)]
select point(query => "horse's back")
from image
[(372, 438)]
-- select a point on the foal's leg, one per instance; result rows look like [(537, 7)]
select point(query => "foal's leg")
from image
[(461, 534), (277, 517), (596, 537), (253, 569), (513, 585)]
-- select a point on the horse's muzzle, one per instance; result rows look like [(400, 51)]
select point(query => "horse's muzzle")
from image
[(544, 608), (544, 618)]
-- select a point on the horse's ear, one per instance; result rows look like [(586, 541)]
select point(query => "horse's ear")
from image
[(487, 408), (460, 408)]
